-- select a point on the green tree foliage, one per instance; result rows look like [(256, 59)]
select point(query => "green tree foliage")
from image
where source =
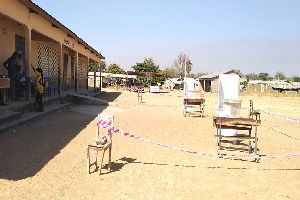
[(191, 75), (146, 66), (237, 71), (167, 73), (264, 76), (199, 75), (103, 66), (115, 69), (296, 79), (252, 77), (280, 76)]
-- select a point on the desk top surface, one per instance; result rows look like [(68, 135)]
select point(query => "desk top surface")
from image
[(194, 100), (227, 121), (4, 83)]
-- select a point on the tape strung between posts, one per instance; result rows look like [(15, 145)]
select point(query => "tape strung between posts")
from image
[(278, 116), (107, 125)]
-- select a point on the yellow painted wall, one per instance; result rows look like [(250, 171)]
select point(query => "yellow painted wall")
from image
[(15, 19)]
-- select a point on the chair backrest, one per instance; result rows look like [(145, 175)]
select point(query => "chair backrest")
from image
[(105, 122), (202, 95), (251, 106)]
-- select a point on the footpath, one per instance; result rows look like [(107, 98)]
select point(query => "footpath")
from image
[(16, 113)]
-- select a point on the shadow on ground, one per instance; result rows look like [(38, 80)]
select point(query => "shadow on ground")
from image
[(29, 147)]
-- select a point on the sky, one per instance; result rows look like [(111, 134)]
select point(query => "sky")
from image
[(253, 36)]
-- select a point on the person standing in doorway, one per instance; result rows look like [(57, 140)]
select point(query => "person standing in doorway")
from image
[(13, 74), (19, 83), (39, 82)]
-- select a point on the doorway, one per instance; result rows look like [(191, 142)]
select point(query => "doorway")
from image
[(65, 72)]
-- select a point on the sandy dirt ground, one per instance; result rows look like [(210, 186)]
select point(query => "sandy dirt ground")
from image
[(46, 158)]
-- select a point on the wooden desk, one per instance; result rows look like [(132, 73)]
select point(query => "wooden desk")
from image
[(237, 124), (4, 84), (192, 103)]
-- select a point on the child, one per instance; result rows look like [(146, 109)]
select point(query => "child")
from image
[(39, 81)]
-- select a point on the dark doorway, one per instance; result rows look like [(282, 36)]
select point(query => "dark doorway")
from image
[(65, 72)]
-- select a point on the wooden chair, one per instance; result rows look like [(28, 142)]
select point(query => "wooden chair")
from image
[(253, 112), (140, 95), (101, 144)]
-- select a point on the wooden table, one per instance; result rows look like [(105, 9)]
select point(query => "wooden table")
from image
[(4, 84), (237, 124), (193, 103)]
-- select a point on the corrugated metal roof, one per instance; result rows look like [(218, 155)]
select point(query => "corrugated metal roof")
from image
[(214, 74), (276, 84)]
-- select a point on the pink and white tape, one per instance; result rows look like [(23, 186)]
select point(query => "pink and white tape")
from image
[(188, 151), (105, 123), (278, 116)]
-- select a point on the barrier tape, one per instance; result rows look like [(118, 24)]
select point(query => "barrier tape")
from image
[(105, 123), (278, 116), (120, 132)]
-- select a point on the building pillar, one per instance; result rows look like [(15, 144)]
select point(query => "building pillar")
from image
[(87, 73), (60, 68), (95, 76), (100, 69), (76, 70), (28, 63)]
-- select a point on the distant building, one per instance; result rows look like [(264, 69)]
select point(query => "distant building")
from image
[(260, 87), (210, 82), (112, 79)]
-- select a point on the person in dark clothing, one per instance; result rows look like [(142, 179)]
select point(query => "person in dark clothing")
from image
[(39, 82), (2, 95), (19, 85), (11, 65)]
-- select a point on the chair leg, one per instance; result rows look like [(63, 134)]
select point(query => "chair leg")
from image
[(109, 159), (88, 160), (96, 159), (100, 166)]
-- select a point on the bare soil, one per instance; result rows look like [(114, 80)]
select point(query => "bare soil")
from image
[(46, 158)]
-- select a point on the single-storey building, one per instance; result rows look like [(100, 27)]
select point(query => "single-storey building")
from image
[(111, 79), (46, 43), (261, 87), (210, 82), (173, 83)]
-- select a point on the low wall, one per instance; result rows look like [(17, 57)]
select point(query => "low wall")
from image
[(273, 93)]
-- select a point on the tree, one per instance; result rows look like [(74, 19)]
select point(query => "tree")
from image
[(199, 74), (115, 69), (252, 76), (167, 73), (182, 65), (237, 71), (280, 76), (103, 66), (172, 72), (263, 76), (296, 79), (146, 66)]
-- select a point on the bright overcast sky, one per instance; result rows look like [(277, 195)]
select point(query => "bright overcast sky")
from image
[(248, 35)]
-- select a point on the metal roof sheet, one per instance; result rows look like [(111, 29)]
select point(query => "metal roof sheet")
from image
[(214, 74)]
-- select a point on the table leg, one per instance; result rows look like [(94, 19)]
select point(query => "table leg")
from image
[(255, 146)]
